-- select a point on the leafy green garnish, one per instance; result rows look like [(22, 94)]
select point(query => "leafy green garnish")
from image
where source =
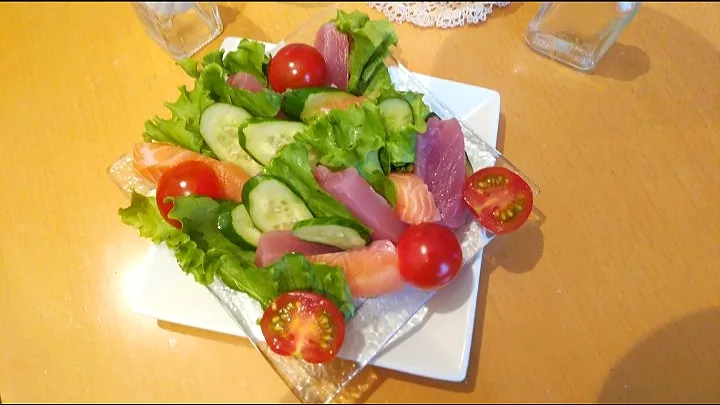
[(292, 164), (143, 214), (294, 272), (183, 128), (352, 138), (265, 103), (401, 141), (370, 46), (249, 57), (203, 251)]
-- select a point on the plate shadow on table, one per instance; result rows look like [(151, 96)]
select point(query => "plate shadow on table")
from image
[(655, 371)]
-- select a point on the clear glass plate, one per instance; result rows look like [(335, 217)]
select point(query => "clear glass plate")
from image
[(377, 321)]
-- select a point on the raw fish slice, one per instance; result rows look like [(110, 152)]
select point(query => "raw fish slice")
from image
[(273, 245), (440, 163), (245, 81), (334, 46), (415, 203), (151, 160), (353, 191), (371, 271)]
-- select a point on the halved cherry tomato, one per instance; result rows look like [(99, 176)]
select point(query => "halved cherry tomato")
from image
[(296, 66), (187, 178), (499, 198), (429, 255), (303, 324)]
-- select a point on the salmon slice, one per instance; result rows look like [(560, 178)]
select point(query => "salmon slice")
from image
[(342, 104), (371, 271), (415, 203), (151, 160)]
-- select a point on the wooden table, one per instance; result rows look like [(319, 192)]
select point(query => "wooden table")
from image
[(615, 297)]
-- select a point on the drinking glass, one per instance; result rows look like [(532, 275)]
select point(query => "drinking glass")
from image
[(578, 33), (180, 28)]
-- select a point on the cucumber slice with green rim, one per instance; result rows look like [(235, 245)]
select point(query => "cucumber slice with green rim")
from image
[(219, 127), (293, 101), (262, 139), (305, 104), (334, 231), (397, 113), (235, 224), (272, 205)]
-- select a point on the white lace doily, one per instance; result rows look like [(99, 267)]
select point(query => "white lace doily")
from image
[(438, 14)]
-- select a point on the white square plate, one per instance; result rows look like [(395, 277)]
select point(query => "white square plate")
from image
[(170, 295)]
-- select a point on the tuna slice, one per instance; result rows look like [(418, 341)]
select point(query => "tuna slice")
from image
[(415, 203), (351, 189), (245, 81), (440, 163), (371, 271), (334, 46), (273, 245)]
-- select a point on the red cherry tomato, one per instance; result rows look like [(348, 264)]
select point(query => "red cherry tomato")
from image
[(296, 66), (499, 198), (183, 179), (430, 255), (305, 325)]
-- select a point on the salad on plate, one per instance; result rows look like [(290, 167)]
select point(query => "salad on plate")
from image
[(307, 181)]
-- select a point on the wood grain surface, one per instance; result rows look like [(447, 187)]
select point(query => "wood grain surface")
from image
[(616, 297)]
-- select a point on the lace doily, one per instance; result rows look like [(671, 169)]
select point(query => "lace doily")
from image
[(438, 14)]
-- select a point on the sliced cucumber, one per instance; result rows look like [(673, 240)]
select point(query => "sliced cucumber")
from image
[(293, 101), (397, 113), (235, 224), (272, 205), (334, 231), (262, 139), (305, 104), (317, 103), (219, 127)]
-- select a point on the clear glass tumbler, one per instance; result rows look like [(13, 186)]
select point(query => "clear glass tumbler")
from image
[(180, 28), (578, 33)]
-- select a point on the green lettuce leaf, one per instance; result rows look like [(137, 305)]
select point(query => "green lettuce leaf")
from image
[(213, 79), (213, 57), (370, 45), (183, 128), (401, 141), (380, 86), (236, 267), (249, 57), (232, 264), (294, 272), (143, 214), (190, 66), (330, 281), (352, 138), (292, 164)]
